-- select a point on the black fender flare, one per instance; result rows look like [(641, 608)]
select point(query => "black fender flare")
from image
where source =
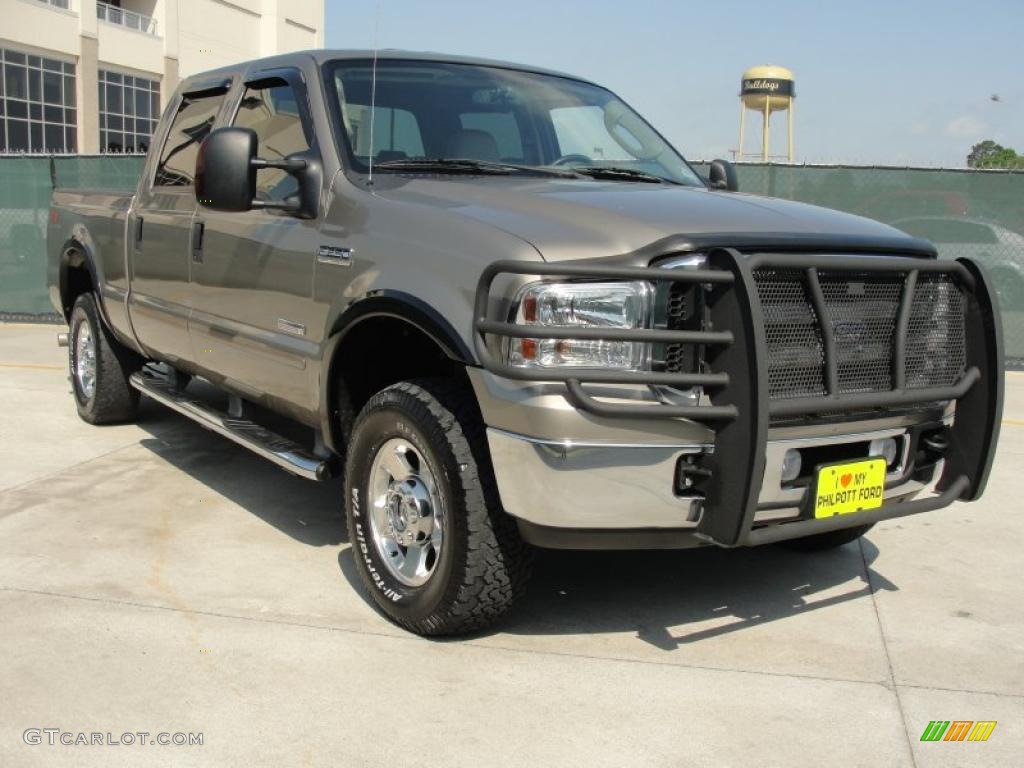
[(382, 303), (74, 245)]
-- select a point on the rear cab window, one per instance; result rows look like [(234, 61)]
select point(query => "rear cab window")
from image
[(501, 127), (396, 132)]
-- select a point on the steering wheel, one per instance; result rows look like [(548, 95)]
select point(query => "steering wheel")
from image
[(575, 158)]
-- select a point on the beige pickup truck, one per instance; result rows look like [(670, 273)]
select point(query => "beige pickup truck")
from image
[(510, 314)]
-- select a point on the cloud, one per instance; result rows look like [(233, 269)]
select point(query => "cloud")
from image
[(965, 127)]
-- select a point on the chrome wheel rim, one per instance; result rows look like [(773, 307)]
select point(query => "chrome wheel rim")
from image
[(406, 518), (85, 360)]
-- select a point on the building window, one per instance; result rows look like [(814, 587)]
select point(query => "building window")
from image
[(37, 104), (129, 110)]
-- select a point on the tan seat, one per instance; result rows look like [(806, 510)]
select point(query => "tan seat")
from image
[(473, 145)]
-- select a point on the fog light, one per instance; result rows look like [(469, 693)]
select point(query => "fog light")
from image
[(886, 448), (791, 465)]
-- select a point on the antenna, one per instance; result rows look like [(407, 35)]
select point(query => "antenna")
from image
[(373, 86)]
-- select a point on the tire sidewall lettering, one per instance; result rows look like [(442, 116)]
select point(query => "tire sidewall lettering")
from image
[(390, 422), (365, 548)]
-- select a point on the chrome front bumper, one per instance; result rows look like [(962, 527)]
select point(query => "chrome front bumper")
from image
[(562, 484), (601, 486)]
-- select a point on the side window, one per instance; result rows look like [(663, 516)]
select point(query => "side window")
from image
[(502, 127), (191, 125), (273, 113), (582, 131)]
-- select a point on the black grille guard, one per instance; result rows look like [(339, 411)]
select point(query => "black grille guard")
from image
[(740, 409)]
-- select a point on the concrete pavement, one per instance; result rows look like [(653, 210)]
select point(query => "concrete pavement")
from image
[(157, 578)]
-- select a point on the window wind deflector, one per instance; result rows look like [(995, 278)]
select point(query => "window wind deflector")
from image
[(206, 88), (270, 81)]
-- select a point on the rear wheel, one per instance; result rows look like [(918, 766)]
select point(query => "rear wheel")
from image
[(100, 367), (829, 540), (432, 545)]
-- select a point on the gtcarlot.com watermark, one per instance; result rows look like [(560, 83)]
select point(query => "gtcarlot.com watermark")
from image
[(58, 736)]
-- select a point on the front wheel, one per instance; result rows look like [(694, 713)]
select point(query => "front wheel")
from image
[(432, 545)]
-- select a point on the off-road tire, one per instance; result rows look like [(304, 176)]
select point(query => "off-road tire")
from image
[(483, 565), (114, 399), (828, 540)]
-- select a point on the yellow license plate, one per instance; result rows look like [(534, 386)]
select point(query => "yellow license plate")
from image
[(853, 486)]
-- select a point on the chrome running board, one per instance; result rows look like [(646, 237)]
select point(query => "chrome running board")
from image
[(280, 450)]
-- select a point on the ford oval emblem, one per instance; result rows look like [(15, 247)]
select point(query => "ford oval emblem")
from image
[(850, 331)]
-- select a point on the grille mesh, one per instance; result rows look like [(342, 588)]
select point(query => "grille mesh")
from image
[(796, 357), (862, 310), (936, 346)]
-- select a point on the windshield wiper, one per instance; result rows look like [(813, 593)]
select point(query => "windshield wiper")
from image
[(615, 172), (468, 166)]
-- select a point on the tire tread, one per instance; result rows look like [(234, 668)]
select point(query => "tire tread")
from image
[(497, 560), (115, 400)]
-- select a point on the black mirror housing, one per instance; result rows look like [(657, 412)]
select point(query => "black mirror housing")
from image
[(226, 168), (722, 175), (225, 172)]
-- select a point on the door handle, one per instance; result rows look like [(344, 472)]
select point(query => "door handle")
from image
[(198, 229), (138, 230)]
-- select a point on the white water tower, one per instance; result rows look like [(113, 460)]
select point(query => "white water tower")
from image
[(766, 89)]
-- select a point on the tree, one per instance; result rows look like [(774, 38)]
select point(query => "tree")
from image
[(988, 154)]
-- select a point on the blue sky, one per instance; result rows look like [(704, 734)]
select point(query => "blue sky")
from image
[(877, 82)]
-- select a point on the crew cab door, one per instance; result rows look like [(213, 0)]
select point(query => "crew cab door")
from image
[(160, 231), (253, 325)]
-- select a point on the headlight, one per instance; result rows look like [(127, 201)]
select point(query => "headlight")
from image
[(583, 305)]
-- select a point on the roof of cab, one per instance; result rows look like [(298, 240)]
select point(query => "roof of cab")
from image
[(320, 56)]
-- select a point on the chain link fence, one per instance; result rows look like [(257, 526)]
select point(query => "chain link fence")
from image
[(965, 213), (979, 214), (25, 186), (24, 204)]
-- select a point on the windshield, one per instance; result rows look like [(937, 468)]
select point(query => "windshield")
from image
[(428, 111)]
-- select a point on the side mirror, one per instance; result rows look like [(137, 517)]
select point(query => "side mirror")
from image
[(226, 169), (722, 175), (225, 173)]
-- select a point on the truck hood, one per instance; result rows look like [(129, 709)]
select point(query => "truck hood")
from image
[(573, 219)]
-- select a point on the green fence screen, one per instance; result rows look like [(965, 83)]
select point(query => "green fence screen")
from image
[(965, 213), (25, 187), (979, 214), (24, 205)]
